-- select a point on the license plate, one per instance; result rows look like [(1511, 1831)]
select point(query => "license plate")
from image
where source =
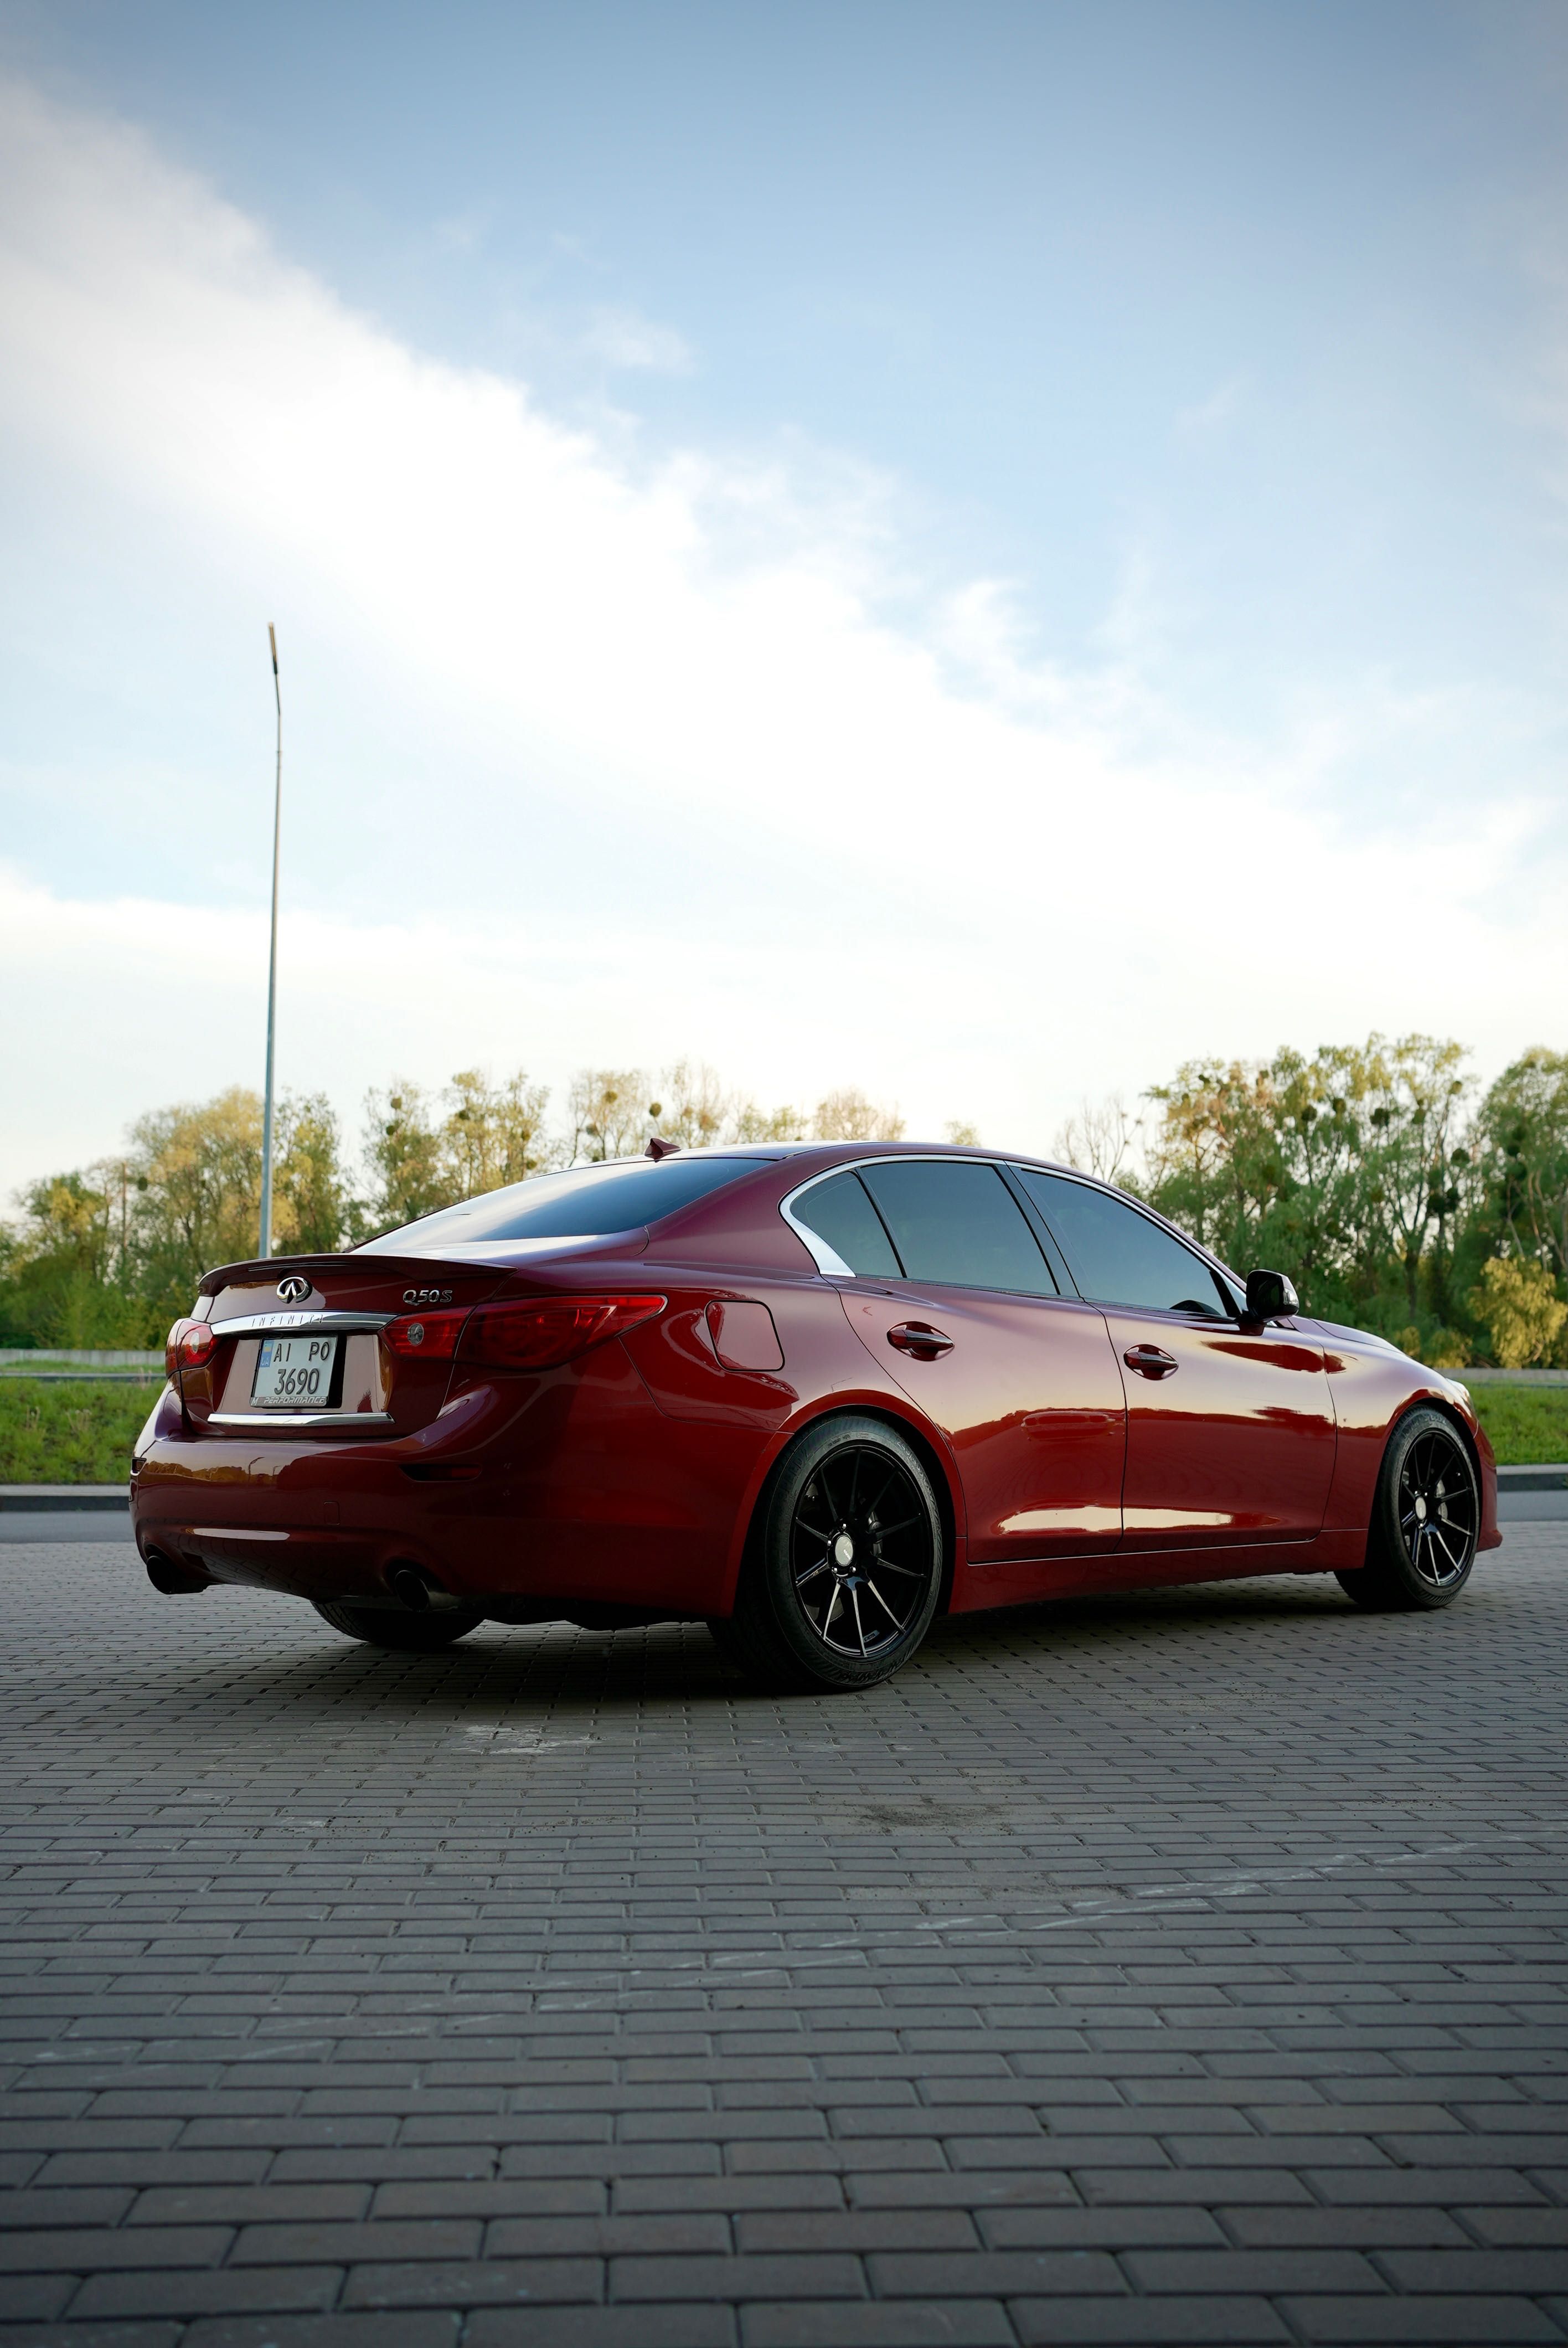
[(294, 1373)]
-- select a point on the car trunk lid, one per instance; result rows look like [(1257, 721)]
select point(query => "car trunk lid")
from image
[(299, 1349)]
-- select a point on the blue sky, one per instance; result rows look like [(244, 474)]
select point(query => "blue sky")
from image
[(1003, 461)]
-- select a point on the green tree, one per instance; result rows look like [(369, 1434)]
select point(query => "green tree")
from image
[(611, 1112), (311, 1207), (1518, 1305), (65, 1279), (1521, 1143), (403, 1157), (492, 1134), (1347, 1169), (692, 1110), (197, 1171), (849, 1115), (749, 1123)]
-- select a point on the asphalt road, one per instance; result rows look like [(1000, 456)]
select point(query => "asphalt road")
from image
[(1175, 1969)]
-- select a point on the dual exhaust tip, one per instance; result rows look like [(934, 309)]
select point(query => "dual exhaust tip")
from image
[(412, 1587)]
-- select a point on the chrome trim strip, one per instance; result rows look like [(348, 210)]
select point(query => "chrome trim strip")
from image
[(289, 1325), (299, 1419), (828, 1261)]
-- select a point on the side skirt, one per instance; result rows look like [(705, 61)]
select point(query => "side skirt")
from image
[(1016, 1583)]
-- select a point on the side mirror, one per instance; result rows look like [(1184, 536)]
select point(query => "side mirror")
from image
[(1270, 1296)]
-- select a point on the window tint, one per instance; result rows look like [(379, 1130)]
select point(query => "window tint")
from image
[(1118, 1256), (957, 1223), (840, 1213), (573, 1206)]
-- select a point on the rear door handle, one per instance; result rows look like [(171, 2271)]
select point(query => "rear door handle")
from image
[(1149, 1361), (919, 1340)]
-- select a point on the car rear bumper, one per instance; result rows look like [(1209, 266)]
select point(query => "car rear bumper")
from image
[(587, 1495)]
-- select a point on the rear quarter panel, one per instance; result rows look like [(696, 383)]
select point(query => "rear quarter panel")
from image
[(749, 1418)]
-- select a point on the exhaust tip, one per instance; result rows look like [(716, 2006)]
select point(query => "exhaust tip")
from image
[(409, 1586), (172, 1581)]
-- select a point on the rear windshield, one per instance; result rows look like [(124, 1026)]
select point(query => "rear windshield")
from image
[(582, 1204)]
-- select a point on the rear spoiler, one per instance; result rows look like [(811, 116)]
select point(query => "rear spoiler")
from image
[(370, 1267)]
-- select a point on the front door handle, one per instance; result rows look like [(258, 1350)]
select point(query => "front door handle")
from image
[(921, 1341), (1149, 1361)]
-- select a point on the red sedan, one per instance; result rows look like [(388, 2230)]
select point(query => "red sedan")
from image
[(811, 1395)]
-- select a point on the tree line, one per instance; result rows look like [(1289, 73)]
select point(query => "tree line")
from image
[(1397, 1193), (108, 1254)]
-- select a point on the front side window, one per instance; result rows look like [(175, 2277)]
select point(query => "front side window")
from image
[(959, 1223), (1118, 1256)]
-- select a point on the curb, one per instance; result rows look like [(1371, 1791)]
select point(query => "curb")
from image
[(15, 1499), (1533, 1479)]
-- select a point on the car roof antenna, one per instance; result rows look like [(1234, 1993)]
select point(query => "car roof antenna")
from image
[(659, 1148)]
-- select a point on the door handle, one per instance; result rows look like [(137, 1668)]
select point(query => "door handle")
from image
[(1149, 1361), (919, 1340)]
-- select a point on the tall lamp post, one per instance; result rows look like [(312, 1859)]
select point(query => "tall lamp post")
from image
[(265, 1249)]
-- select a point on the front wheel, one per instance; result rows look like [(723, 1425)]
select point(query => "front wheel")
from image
[(416, 1634), (1426, 1521), (844, 1568)]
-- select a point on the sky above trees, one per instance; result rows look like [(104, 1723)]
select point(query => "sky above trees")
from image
[(980, 553)]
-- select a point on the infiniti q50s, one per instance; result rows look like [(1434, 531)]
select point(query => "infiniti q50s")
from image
[(813, 1395)]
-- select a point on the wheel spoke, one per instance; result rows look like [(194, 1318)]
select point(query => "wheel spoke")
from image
[(812, 1571), (1437, 1533), (892, 1477), (886, 1532), (874, 1593), (859, 1626), (905, 1572)]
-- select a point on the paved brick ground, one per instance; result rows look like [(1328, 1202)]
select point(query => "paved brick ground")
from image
[(1185, 1969)]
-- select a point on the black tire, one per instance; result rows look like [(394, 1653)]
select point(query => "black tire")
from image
[(405, 1633), (843, 1568), (1426, 1521)]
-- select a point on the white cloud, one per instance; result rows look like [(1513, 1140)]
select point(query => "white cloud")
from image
[(788, 832)]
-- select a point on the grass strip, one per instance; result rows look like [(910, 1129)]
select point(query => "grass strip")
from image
[(71, 1432), (1528, 1425), (81, 1433)]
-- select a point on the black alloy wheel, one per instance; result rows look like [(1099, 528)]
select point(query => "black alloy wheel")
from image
[(844, 1568), (1426, 1520), (400, 1631)]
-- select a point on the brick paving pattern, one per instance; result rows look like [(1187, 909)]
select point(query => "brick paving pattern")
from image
[(1184, 1968)]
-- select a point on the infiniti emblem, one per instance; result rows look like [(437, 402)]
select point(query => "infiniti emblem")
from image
[(292, 1289)]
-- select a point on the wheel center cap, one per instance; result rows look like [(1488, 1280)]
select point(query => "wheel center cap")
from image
[(843, 1551), (1421, 1508)]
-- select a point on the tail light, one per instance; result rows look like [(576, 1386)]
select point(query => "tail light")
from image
[(543, 1332), (190, 1345), (424, 1337)]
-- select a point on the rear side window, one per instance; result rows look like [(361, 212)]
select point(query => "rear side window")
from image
[(581, 1204), (1118, 1256), (840, 1213), (957, 1223)]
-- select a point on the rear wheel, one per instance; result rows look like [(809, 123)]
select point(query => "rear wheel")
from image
[(843, 1573), (418, 1635), (1426, 1521)]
